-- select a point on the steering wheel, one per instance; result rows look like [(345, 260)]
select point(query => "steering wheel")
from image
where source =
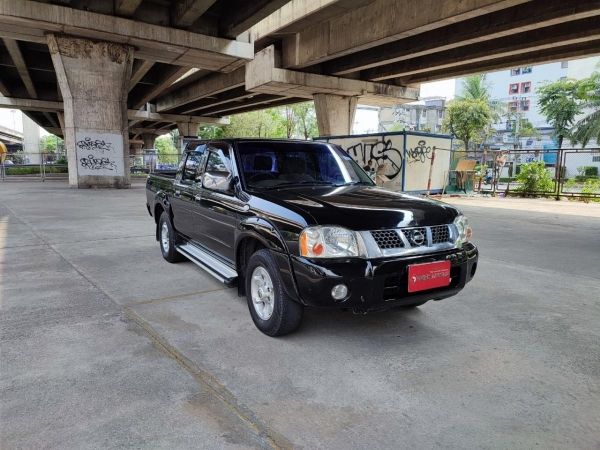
[(262, 176)]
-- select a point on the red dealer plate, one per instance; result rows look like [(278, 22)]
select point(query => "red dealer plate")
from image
[(428, 276)]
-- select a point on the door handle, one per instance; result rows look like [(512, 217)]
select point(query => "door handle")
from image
[(198, 197), (177, 193)]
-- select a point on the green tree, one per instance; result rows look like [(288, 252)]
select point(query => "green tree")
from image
[(306, 120), (522, 127), (475, 87), (166, 149), (50, 143), (210, 132), (589, 127), (266, 123), (560, 103), (468, 120)]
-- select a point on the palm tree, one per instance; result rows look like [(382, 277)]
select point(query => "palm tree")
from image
[(474, 87), (589, 127)]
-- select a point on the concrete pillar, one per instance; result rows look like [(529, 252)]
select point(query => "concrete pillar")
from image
[(335, 114), (149, 140), (31, 140), (186, 129), (94, 79), (135, 148)]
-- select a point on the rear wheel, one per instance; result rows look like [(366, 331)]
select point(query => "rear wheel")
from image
[(272, 310), (167, 238)]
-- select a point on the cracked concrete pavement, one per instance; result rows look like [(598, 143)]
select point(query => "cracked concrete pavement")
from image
[(104, 344)]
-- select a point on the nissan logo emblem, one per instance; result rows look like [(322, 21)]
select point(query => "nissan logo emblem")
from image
[(417, 237)]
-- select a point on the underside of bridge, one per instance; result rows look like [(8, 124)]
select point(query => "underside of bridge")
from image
[(126, 70)]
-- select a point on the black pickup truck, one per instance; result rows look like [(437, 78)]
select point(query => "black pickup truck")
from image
[(299, 224)]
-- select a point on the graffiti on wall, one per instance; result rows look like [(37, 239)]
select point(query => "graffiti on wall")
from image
[(93, 163), (95, 145), (99, 154), (420, 153), (380, 152)]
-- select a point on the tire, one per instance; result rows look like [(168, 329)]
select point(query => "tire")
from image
[(167, 238), (411, 306), (273, 311)]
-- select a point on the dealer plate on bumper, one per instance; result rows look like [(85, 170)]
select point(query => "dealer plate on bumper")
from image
[(428, 276)]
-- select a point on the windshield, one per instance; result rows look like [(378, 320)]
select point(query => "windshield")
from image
[(268, 165)]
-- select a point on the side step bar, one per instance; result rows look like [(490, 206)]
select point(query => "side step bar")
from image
[(209, 263)]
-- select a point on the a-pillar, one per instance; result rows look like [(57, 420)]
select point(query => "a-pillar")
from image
[(149, 140), (335, 114), (94, 79)]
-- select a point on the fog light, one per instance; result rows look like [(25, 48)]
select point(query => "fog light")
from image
[(339, 291)]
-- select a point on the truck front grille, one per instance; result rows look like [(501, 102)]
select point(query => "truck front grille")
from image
[(387, 239), (412, 237), (439, 234)]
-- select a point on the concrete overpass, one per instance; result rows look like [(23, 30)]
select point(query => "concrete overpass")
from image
[(103, 72)]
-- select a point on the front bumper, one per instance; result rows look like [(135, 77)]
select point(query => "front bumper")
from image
[(378, 284)]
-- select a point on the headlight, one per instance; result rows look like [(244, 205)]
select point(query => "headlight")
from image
[(464, 230), (330, 242)]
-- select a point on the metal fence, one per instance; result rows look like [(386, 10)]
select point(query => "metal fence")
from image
[(573, 172), (44, 166)]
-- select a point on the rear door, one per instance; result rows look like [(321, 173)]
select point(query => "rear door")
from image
[(187, 187)]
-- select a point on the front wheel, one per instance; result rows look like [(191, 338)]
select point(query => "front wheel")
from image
[(272, 310)]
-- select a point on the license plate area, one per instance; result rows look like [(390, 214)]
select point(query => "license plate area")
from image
[(422, 277)]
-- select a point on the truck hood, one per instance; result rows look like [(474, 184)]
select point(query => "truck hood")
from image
[(361, 207)]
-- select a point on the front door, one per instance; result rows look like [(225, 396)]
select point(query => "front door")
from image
[(187, 187), (220, 207)]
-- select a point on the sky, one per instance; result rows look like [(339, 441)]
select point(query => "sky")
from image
[(367, 119)]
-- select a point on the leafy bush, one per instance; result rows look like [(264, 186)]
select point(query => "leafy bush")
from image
[(591, 186), (533, 177), (582, 178), (33, 170), (588, 171)]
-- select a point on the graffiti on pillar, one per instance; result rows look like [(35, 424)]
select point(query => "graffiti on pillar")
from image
[(96, 145), (380, 152), (420, 153), (99, 154), (94, 163)]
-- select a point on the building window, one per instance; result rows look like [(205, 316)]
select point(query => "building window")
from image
[(526, 69), (595, 158), (524, 105), (510, 125), (526, 87), (514, 72), (564, 65), (513, 88), (513, 106)]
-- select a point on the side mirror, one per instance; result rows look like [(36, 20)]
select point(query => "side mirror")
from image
[(218, 181)]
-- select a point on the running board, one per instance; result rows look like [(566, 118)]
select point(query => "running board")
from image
[(209, 263)]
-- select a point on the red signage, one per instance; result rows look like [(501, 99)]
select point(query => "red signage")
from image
[(428, 276)]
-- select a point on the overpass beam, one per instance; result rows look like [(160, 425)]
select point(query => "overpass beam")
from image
[(335, 114), (94, 80)]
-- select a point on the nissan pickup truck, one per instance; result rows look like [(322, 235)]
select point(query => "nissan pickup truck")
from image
[(296, 224)]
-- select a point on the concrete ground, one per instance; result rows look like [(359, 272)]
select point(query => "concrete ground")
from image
[(105, 345)]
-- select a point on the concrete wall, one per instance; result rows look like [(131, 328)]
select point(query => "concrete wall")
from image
[(406, 157)]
